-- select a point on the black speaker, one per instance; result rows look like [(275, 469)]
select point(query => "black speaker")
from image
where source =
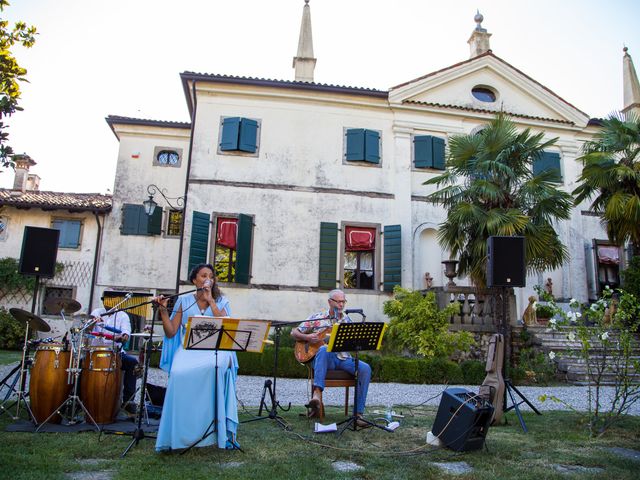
[(462, 420), (39, 251), (505, 262)]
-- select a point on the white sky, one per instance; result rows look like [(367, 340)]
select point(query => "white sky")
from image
[(94, 58)]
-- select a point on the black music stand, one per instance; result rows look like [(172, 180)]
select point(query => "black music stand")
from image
[(210, 336), (356, 337)]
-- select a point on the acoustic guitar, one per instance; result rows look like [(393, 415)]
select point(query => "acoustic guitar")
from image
[(306, 351)]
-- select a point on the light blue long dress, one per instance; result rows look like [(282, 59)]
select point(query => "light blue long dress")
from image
[(189, 401)]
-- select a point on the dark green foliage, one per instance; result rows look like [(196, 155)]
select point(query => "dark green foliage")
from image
[(11, 331), (473, 372), (11, 280), (631, 277)]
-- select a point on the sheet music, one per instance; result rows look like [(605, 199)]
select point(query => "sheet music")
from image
[(253, 331), (237, 334)]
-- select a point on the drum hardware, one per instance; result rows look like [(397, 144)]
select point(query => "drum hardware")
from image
[(37, 324), (73, 376)]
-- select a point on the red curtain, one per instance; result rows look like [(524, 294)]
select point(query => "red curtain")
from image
[(609, 255), (227, 232), (359, 239)]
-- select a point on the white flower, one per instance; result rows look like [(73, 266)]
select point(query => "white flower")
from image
[(572, 336), (594, 307), (552, 355), (604, 336)]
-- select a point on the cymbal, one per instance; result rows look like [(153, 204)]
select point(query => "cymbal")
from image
[(34, 321), (56, 305)]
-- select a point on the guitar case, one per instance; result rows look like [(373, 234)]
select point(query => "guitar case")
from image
[(494, 379)]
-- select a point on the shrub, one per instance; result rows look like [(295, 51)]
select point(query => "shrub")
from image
[(544, 311), (473, 372), (11, 331), (631, 277), (418, 325)]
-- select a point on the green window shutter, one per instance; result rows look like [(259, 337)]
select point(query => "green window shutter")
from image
[(248, 135), (154, 222), (548, 161), (243, 252), (69, 232), (230, 133), (423, 151), (372, 146), (438, 153), (327, 272), (199, 239), (392, 257), (355, 144), (131, 219)]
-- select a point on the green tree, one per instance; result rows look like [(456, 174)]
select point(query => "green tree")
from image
[(10, 74), (611, 173), (489, 189)]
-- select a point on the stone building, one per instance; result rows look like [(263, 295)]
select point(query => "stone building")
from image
[(292, 187)]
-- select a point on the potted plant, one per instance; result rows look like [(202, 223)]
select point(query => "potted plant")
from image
[(543, 313)]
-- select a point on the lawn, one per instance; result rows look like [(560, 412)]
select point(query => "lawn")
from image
[(10, 356), (555, 440)]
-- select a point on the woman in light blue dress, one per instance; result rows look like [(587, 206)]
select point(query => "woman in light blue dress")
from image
[(188, 410)]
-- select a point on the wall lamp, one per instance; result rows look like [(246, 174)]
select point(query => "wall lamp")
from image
[(150, 204)]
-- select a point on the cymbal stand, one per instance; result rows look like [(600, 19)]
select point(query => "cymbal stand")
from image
[(74, 371), (22, 377)]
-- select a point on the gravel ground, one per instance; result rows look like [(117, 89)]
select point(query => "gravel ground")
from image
[(296, 391)]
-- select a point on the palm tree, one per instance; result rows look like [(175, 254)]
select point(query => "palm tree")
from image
[(500, 196), (611, 172)]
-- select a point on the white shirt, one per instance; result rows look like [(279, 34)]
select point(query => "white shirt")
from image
[(118, 320)]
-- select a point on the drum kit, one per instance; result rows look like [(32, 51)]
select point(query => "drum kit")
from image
[(67, 377)]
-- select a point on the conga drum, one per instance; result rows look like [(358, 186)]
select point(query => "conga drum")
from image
[(101, 383), (48, 387)]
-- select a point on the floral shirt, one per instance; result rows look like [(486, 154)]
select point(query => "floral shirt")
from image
[(322, 320)]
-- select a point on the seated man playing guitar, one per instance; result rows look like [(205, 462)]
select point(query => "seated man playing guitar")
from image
[(310, 337)]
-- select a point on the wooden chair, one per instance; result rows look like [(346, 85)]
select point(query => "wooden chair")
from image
[(336, 378)]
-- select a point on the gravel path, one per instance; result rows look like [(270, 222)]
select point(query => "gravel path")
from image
[(296, 391)]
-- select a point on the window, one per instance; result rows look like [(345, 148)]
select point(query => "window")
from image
[(225, 248), (51, 293), (607, 265), (428, 152), (484, 94), (548, 161), (69, 232), (4, 227), (362, 145), (136, 222), (174, 223), (359, 258), (239, 135), (167, 157), (232, 245)]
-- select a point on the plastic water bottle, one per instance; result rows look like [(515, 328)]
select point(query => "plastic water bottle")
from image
[(388, 413)]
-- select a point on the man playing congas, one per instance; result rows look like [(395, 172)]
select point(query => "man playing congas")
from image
[(113, 330)]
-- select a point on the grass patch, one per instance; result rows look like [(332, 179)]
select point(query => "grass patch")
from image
[(272, 453), (10, 356)]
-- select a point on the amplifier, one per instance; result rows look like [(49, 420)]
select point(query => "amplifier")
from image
[(462, 420)]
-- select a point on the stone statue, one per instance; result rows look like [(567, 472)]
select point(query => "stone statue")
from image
[(529, 315), (428, 280), (548, 286)]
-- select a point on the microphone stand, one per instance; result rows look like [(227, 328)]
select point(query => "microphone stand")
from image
[(138, 434), (270, 386)]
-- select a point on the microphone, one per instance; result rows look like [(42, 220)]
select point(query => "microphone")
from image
[(354, 310), (111, 329)]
